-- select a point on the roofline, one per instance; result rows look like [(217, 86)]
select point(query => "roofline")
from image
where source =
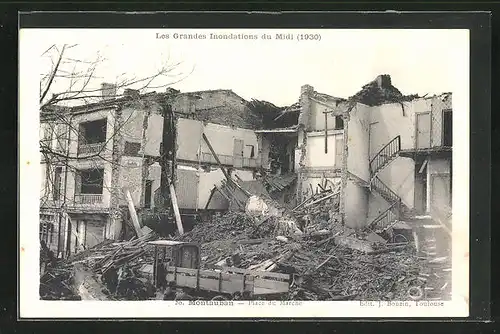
[(123, 99)]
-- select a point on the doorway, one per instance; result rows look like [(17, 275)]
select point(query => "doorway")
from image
[(423, 128), (421, 186), (447, 128)]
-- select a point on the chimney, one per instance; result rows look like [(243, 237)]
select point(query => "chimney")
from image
[(383, 81), (108, 91), (306, 89), (134, 93)]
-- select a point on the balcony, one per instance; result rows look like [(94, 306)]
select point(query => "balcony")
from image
[(88, 199), (229, 160), (89, 149)]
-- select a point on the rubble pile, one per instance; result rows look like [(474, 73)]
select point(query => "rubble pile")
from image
[(231, 225), (57, 283), (319, 212), (323, 268), (115, 255), (235, 235), (333, 272)]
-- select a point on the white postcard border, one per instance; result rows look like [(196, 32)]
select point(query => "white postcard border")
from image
[(29, 180)]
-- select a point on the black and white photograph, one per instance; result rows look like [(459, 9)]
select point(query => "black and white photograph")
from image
[(262, 172)]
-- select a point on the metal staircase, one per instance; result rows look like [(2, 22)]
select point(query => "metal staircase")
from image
[(384, 157)]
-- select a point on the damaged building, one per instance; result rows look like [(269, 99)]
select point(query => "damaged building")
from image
[(387, 156), (102, 155), (390, 153), (304, 195)]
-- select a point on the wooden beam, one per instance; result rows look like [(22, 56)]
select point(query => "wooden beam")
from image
[(216, 157), (326, 132), (175, 206), (133, 213)]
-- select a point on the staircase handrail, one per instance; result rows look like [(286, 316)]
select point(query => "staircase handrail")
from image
[(384, 214), (395, 139)]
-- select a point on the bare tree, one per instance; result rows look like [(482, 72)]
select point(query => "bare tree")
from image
[(71, 81), (79, 75)]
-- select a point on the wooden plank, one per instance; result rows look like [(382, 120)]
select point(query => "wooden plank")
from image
[(321, 199), (186, 281), (259, 273), (175, 206), (275, 286), (210, 284), (133, 213), (182, 270), (224, 171)]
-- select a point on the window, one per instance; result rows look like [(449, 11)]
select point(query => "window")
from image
[(132, 149), (339, 123), (93, 132), (147, 193), (46, 228), (91, 181), (252, 150), (56, 189), (447, 128)]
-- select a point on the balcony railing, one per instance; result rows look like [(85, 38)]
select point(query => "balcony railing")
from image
[(229, 161), (88, 199), (87, 149)]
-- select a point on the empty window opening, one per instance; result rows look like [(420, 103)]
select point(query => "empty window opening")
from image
[(339, 123), (147, 193), (447, 128), (252, 150), (92, 181), (421, 186), (132, 149), (46, 229), (93, 132), (56, 189)]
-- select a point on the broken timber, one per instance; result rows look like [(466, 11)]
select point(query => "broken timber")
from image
[(224, 171), (175, 206), (133, 213)]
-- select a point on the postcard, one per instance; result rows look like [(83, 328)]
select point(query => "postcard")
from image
[(282, 173)]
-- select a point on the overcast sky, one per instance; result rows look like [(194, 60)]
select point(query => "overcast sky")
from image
[(419, 61)]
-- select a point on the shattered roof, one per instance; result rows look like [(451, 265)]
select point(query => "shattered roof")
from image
[(380, 91), (275, 117)]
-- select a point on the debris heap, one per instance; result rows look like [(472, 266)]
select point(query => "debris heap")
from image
[(324, 269), (57, 283), (380, 91)]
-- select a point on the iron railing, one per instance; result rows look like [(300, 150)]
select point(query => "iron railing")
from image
[(86, 149), (385, 155), (387, 193), (88, 198), (386, 218)]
